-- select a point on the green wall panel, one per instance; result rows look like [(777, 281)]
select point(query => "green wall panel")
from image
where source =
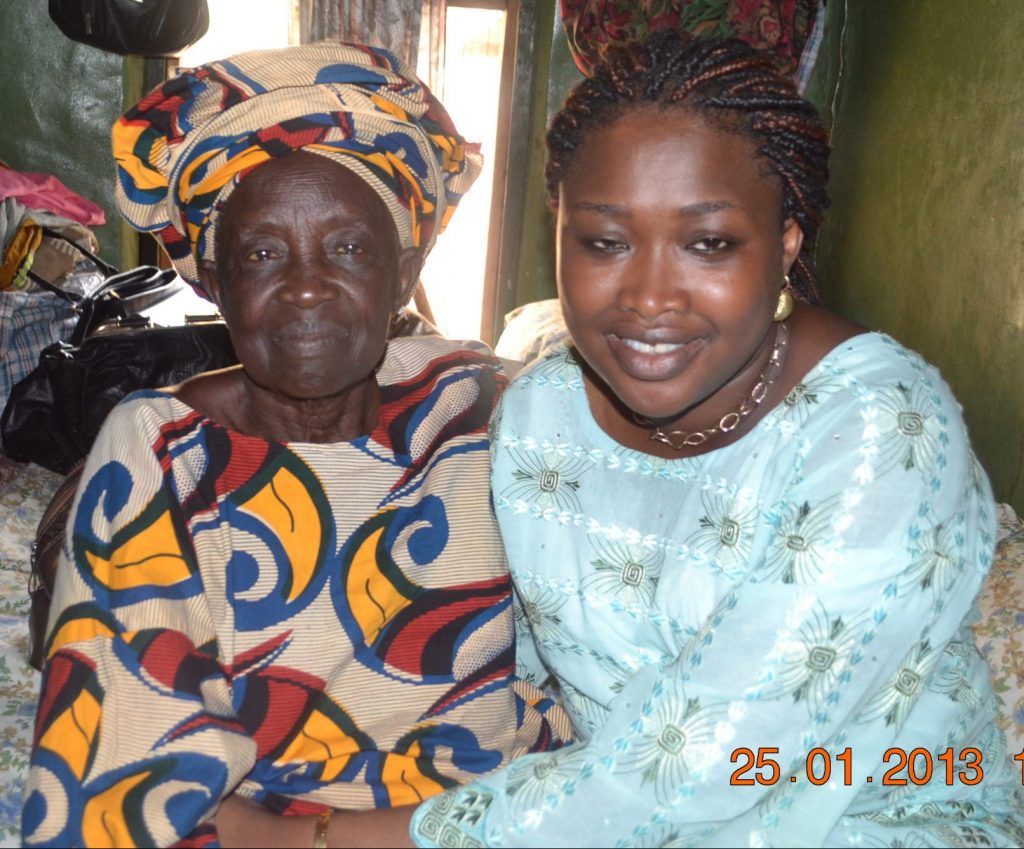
[(555, 75), (58, 100), (924, 239)]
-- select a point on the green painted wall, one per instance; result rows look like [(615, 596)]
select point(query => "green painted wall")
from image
[(555, 74), (58, 100), (925, 239)]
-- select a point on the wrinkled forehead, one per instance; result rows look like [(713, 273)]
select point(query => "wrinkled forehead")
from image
[(302, 188)]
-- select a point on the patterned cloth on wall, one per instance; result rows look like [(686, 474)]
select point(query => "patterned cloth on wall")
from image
[(780, 27), (328, 623)]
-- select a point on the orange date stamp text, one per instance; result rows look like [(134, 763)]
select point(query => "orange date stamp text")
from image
[(918, 766)]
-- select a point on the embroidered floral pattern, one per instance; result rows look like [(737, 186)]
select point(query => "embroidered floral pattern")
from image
[(810, 662), (536, 613), (799, 551), (626, 572), (894, 701), (534, 782), (676, 742), (939, 560), (546, 479), (807, 395), (726, 532), (584, 710), (911, 431)]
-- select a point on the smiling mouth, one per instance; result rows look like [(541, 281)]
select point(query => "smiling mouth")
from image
[(653, 359), (310, 332), (652, 349)]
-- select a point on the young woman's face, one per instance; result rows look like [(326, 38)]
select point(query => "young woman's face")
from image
[(309, 273), (671, 256)]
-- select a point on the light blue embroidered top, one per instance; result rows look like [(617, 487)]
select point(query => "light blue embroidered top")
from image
[(765, 645)]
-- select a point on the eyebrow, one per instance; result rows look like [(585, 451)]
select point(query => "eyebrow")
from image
[(614, 211)]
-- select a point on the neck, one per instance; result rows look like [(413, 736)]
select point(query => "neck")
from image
[(338, 418), (675, 437)]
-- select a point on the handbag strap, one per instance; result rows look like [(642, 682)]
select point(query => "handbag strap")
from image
[(112, 299), (103, 267)]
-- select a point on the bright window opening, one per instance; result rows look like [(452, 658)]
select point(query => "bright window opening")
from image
[(240, 25), (470, 80)]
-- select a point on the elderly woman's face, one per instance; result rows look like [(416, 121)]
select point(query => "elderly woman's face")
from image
[(308, 274)]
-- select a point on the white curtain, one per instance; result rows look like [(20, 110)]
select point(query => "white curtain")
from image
[(394, 24)]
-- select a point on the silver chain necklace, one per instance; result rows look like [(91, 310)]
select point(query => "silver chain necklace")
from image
[(680, 439)]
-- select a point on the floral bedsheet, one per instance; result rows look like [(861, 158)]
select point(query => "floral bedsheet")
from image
[(1000, 631), (25, 490)]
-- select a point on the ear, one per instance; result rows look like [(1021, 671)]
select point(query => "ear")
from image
[(410, 263), (210, 283), (792, 241)]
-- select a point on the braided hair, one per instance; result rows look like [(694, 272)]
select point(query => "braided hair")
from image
[(727, 82)]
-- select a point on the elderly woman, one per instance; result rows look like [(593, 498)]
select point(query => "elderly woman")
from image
[(284, 580)]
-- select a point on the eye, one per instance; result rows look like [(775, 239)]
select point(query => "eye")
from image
[(261, 255), (605, 246), (349, 250), (710, 245)]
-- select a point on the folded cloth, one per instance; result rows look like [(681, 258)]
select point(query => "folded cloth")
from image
[(19, 256), (44, 191), (41, 242)]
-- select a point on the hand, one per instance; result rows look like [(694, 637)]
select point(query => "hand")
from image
[(241, 823)]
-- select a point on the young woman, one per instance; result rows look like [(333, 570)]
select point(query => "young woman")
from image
[(746, 534)]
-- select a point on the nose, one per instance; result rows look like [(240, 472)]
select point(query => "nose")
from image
[(307, 285), (652, 284)]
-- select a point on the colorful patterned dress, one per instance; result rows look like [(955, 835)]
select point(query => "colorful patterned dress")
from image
[(324, 623), (761, 646)]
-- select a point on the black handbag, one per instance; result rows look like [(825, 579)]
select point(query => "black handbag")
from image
[(144, 27), (54, 413)]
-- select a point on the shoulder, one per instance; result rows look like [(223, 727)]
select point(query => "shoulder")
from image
[(408, 358), (871, 367), (146, 408), (138, 421), (856, 364), (431, 384), (874, 413), (557, 368)]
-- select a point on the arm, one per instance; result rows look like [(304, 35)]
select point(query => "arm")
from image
[(240, 823), (792, 657), (135, 711)]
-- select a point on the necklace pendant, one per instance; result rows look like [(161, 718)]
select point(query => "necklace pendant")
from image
[(679, 440)]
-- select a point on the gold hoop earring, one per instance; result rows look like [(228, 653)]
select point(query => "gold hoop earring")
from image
[(784, 307)]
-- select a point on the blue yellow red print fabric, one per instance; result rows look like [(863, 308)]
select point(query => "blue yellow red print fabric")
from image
[(324, 624), (182, 150)]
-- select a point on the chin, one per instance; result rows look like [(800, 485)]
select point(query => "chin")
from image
[(628, 398)]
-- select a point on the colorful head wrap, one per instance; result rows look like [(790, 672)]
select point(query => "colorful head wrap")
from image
[(183, 149)]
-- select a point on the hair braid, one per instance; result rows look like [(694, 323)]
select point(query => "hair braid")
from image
[(726, 81)]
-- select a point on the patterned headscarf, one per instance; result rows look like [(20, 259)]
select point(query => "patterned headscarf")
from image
[(781, 28), (182, 150)]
